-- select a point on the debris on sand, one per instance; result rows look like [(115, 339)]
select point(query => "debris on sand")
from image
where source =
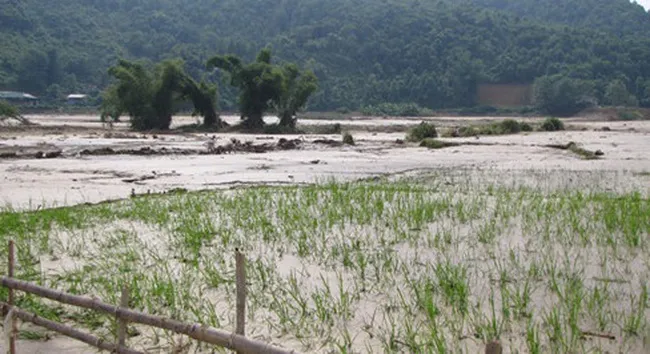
[(43, 151), (328, 142), (234, 146), (431, 143), (14, 120), (573, 147)]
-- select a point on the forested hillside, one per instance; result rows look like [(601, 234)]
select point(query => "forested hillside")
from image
[(363, 51), (615, 16)]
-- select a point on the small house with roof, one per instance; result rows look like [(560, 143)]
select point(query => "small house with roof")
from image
[(76, 99), (18, 98)]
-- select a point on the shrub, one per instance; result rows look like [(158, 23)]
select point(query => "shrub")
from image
[(422, 131), (348, 139), (629, 115), (552, 125), (525, 127), (509, 126), (8, 111)]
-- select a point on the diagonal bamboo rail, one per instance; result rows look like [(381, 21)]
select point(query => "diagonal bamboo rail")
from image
[(196, 331), (68, 331)]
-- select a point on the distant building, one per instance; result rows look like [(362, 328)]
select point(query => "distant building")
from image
[(76, 98), (18, 98)]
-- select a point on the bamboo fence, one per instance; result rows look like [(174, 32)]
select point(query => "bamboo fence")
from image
[(234, 341)]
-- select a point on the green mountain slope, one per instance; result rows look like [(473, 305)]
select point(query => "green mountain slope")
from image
[(364, 51), (615, 16)]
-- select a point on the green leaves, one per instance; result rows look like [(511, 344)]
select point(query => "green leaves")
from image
[(264, 86), (150, 96), (297, 87), (562, 96), (8, 111)]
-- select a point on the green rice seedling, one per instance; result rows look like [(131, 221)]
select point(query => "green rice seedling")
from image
[(597, 306), (521, 298), (452, 282), (635, 320), (489, 328), (533, 341)]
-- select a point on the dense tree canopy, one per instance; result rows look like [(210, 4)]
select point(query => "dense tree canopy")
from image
[(364, 52), (150, 96), (259, 84), (616, 16)]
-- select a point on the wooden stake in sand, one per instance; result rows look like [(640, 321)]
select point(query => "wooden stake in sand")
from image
[(121, 322), (240, 272), (493, 347), (10, 321)]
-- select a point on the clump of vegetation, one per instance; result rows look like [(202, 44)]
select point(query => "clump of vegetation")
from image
[(422, 131), (348, 139), (264, 86), (396, 110), (508, 126), (8, 111), (504, 127), (149, 95), (552, 125), (431, 143), (582, 152), (629, 115)]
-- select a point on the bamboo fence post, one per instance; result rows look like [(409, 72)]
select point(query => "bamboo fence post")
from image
[(240, 270), (121, 322), (11, 346), (203, 333)]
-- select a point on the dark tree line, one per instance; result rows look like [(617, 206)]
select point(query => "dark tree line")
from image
[(364, 52)]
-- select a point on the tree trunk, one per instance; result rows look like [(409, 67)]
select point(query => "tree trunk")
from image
[(254, 121), (165, 122), (287, 120), (212, 119)]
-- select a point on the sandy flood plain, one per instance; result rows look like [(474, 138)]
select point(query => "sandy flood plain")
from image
[(74, 178), (516, 160)]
